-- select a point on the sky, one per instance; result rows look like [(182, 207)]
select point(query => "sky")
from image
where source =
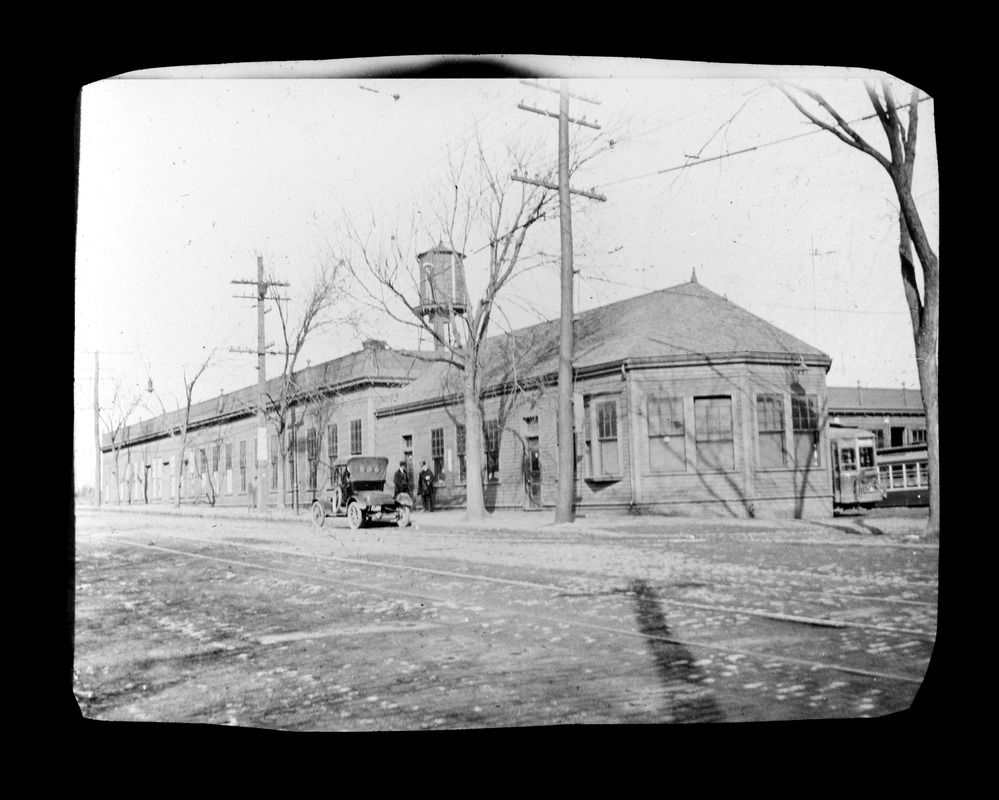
[(187, 176)]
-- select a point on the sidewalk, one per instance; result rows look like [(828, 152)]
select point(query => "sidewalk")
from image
[(852, 530)]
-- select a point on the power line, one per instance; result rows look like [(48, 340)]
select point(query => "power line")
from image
[(740, 152)]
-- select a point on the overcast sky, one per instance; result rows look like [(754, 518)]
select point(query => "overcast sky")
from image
[(185, 181)]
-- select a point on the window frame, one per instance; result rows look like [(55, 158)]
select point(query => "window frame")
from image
[(655, 432), (460, 452), (333, 442), (710, 433), (274, 461), (491, 431), (437, 453), (242, 466), (770, 431), (356, 437), (811, 417)]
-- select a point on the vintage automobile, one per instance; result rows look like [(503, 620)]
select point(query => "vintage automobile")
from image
[(357, 490)]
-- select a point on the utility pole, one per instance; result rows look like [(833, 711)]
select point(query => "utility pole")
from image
[(97, 428), (261, 351), (564, 511)]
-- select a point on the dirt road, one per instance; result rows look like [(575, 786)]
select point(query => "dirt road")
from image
[(271, 624)]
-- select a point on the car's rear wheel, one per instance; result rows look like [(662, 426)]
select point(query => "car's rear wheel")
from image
[(355, 516), (318, 514), (402, 520)]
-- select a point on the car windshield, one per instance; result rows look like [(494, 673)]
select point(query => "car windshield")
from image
[(365, 470)]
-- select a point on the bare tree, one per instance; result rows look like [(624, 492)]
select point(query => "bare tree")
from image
[(214, 477), (484, 204), (178, 424), (924, 306), (114, 419), (320, 307)]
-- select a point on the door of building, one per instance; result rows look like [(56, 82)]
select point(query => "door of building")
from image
[(407, 456), (533, 476)]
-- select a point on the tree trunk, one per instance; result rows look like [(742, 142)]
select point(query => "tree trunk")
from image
[(925, 318), (180, 472), (475, 504), (282, 461), (927, 361)]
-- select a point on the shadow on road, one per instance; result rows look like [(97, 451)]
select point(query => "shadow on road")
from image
[(689, 700)]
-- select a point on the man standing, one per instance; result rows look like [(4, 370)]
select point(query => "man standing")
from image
[(426, 483), (401, 479)]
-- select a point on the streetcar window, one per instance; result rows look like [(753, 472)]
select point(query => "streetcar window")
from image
[(848, 458), (896, 476), (910, 475), (867, 456), (923, 480)]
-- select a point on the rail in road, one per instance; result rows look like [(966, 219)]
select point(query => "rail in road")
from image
[(875, 632)]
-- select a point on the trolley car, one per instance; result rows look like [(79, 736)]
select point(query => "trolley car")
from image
[(903, 474), (855, 476)]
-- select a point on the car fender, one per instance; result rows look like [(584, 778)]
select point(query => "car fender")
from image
[(327, 506), (403, 499)]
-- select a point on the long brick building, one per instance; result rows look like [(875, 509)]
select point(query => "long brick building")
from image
[(683, 403)]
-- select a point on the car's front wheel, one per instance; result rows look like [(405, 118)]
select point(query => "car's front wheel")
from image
[(402, 519), (355, 516), (318, 514)]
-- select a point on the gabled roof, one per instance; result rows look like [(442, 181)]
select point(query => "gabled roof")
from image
[(684, 324), (873, 400), (366, 367)]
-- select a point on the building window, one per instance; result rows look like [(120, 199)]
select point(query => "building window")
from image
[(713, 433), (216, 452), (607, 444), (333, 443), (880, 434), (805, 424), (242, 466), (228, 467), (491, 438), (897, 436), (918, 435), (274, 462), (355, 437), (667, 448), (459, 446), (770, 430), (600, 439), (437, 452), (312, 454)]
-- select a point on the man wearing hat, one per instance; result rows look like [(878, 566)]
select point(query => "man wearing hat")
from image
[(426, 484), (401, 479)]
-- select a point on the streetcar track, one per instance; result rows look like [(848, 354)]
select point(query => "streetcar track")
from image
[(563, 591), (395, 590)]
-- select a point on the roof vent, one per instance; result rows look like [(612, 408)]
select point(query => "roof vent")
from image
[(375, 344), (693, 276)]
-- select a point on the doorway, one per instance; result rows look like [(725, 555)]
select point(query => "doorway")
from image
[(407, 456), (533, 474)]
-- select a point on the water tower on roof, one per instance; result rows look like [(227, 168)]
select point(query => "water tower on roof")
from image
[(443, 294)]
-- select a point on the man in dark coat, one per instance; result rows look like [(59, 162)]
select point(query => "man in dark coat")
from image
[(401, 479), (426, 484)]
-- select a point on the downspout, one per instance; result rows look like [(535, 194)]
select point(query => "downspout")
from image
[(632, 432)]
